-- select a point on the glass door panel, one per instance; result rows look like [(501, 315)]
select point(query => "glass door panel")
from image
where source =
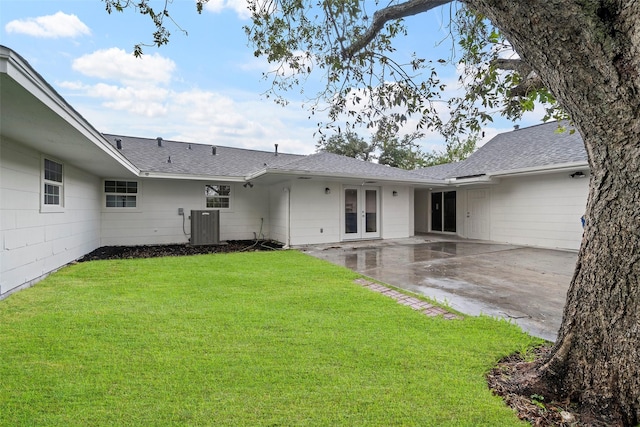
[(371, 211), (361, 213), (351, 211)]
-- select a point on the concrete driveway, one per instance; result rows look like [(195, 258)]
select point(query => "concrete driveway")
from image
[(527, 285)]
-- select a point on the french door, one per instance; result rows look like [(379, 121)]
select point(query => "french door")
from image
[(361, 212)]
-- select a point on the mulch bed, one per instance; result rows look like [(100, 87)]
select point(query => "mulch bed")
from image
[(153, 251)]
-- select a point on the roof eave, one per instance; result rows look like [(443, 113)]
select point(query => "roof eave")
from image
[(181, 176), (537, 170), (315, 174), (21, 71)]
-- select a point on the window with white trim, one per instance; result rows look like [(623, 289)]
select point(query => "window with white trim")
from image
[(52, 183), (218, 196), (121, 194)]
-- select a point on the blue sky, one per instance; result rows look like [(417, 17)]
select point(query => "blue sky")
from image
[(204, 87)]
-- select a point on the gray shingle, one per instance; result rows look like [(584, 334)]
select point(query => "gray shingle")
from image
[(198, 159), (443, 171), (535, 146), (239, 163), (336, 165)]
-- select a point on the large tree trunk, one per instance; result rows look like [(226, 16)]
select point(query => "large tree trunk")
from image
[(588, 54)]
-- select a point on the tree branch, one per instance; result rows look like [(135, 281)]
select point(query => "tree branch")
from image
[(528, 85), (382, 16), (513, 65)]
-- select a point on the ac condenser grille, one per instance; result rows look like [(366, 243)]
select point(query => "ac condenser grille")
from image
[(205, 227)]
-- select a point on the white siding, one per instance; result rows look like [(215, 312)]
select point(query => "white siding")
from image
[(421, 210), (540, 210), (315, 216), (33, 243), (397, 212), (156, 220), (279, 212)]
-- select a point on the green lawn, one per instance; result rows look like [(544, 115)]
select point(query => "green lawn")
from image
[(249, 339)]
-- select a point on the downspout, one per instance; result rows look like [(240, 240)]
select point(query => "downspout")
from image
[(288, 219)]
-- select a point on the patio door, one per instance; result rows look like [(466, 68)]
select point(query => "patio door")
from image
[(443, 211), (361, 213)]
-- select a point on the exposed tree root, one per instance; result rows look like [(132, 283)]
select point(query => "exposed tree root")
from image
[(513, 379)]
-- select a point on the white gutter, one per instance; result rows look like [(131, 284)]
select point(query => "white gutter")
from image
[(563, 167), (493, 177), (415, 181), (484, 179), (165, 175)]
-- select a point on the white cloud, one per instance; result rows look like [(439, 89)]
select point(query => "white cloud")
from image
[(59, 25), (241, 7), (117, 65), (193, 115)]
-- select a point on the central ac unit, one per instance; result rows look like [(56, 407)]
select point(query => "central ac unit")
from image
[(205, 227)]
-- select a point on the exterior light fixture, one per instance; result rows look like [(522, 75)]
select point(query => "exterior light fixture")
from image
[(327, 190), (247, 184), (395, 193)]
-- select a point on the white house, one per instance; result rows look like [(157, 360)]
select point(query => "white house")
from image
[(528, 187), (66, 189)]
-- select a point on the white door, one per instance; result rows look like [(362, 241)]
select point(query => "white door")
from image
[(360, 213), (477, 218)]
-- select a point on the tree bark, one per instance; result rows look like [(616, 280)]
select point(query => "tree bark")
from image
[(588, 55)]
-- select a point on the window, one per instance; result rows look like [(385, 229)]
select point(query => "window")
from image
[(52, 184), (218, 196), (121, 194)]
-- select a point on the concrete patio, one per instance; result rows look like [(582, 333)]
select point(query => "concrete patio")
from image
[(524, 284)]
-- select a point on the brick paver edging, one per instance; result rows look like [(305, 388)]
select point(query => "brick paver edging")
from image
[(416, 304)]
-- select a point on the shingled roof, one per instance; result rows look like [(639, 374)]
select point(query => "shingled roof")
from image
[(342, 166), (198, 160), (539, 146)]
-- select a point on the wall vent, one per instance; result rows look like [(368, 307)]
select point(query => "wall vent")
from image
[(205, 227)]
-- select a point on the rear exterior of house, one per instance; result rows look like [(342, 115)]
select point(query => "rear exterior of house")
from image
[(66, 189), (525, 187)]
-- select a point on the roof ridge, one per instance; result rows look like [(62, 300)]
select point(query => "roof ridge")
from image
[(200, 143)]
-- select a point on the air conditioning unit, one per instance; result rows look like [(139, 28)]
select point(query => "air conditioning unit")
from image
[(205, 227)]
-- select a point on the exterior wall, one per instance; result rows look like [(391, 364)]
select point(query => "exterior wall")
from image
[(156, 219), (540, 210), (279, 213), (421, 210), (397, 212), (536, 210), (35, 243), (315, 216)]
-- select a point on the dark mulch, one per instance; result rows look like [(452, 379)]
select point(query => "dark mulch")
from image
[(535, 409), (153, 251)]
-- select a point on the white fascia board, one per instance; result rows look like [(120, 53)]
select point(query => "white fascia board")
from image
[(162, 175), (535, 170), (484, 179), (415, 181), (19, 70)]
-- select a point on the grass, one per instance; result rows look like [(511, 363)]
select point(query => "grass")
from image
[(249, 339)]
